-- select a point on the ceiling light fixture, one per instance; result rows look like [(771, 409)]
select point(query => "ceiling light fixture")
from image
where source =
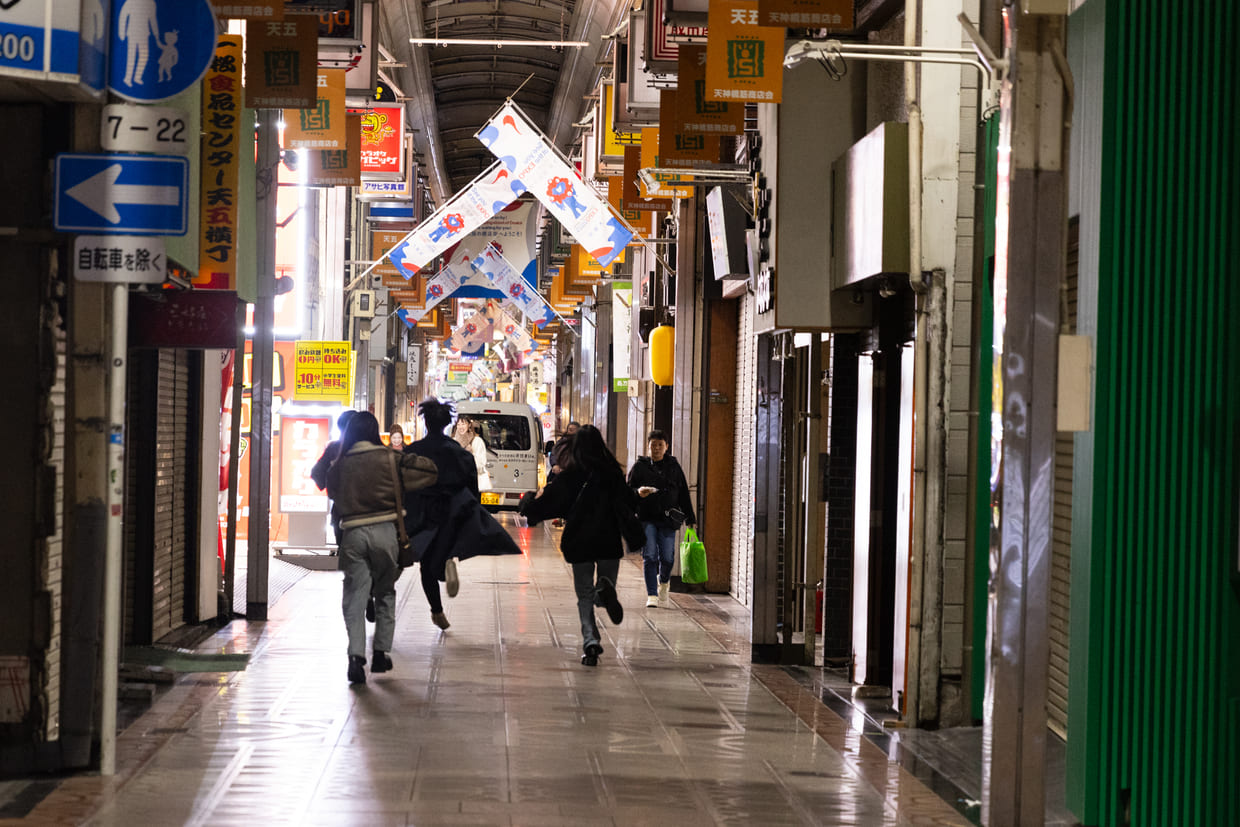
[(465, 41)]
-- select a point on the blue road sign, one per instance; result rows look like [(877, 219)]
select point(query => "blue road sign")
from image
[(159, 48), (44, 37), (127, 194)]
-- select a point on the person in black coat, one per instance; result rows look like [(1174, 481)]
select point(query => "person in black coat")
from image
[(318, 473), (587, 493), (663, 504), (446, 522)]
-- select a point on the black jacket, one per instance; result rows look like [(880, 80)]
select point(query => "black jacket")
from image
[(446, 519), (589, 505), (667, 476)]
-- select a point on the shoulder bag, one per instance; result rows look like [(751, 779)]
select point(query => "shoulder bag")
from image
[(404, 550)]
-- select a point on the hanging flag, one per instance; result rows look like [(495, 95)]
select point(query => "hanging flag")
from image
[(438, 288), (489, 193), (473, 333), (534, 165), (515, 333), (492, 264)]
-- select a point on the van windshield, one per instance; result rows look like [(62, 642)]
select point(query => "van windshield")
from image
[(502, 432)]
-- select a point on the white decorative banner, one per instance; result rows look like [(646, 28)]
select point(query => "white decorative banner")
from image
[(534, 165), (515, 333), (489, 193), (492, 264), (473, 333)]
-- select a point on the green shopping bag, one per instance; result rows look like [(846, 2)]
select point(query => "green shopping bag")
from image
[(692, 558)]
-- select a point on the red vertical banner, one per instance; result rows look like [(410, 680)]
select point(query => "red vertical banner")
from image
[(221, 166)]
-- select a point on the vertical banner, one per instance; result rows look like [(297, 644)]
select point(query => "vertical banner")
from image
[(337, 167), (836, 15), (621, 323), (280, 64), (492, 264), (221, 167), (696, 112), (322, 127), (744, 60)]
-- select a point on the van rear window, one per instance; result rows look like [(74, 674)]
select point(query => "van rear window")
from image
[(502, 432)]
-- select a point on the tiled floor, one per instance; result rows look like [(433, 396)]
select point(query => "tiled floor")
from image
[(496, 722)]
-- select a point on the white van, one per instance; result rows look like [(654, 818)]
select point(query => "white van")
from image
[(514, 441)]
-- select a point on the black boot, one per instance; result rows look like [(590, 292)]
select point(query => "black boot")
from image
[(380, 662), (590, 658), (357, 669)]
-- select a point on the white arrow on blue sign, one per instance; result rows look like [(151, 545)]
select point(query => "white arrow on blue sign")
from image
[(159, 48), (128, 194)]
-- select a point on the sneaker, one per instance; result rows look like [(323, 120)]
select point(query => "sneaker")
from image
[(590, 658), (357, 669), (652, 602), (440, 619), (370, 610), (607, 594), (380, 662), (450, 578), (664, 588)]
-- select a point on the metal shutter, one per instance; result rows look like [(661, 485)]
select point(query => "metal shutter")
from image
[(743, 493), (1061, 540), (171, 507), (54, 581)]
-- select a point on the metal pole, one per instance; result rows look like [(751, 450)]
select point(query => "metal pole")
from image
[(115, 529), (1029, 268), (258, 545), (234, 461)]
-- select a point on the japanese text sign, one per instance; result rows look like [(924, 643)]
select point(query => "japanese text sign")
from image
[(302, 440), (321, 372), (273, 10), (322, 127), (221, 165), (744, 60), (678, 147), (696, 112), (337, 167), (281, 61), (836, 15), (382, 152)]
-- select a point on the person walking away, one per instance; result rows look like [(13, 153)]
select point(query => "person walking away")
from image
[(663, 504), (366, 481), (585, 494), (561, 448), (318, 472), (446, 521)]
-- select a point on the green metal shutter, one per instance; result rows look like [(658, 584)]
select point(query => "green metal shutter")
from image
[(1155, 728)]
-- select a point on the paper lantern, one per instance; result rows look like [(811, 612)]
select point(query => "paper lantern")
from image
[(663, 354)]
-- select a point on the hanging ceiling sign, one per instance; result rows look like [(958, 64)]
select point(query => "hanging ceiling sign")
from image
[(835, 15), (744, 60), (324, 126), (695, 111), (678, 147), (382, 148), (159, 48), (272, 10), (280, 67), (664, 36)]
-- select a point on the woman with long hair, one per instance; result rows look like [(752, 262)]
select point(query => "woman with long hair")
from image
[(366, 482), (466, 433), (590, 494)]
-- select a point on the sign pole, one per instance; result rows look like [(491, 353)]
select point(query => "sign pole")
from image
[(258, 545), (115, 538)]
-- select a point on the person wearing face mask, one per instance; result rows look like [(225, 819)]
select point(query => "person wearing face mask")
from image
[(663, 504)]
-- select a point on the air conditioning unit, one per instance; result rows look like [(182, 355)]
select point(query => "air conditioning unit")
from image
[(362, 304)]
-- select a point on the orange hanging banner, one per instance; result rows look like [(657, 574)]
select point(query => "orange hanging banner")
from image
[(221, 168)]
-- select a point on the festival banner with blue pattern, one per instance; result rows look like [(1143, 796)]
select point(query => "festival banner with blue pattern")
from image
[(534, 165), (492, 264), (438, 288), (473, 334), (489, 193), (515, 333)]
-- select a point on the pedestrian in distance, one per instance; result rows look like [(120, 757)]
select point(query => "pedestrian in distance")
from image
[(396, 437), (467, 435), (586, 493), (366, 481), (663, 504), (446, 521)]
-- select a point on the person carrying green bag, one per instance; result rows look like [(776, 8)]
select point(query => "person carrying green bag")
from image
[(692, 558), (663, 504)]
